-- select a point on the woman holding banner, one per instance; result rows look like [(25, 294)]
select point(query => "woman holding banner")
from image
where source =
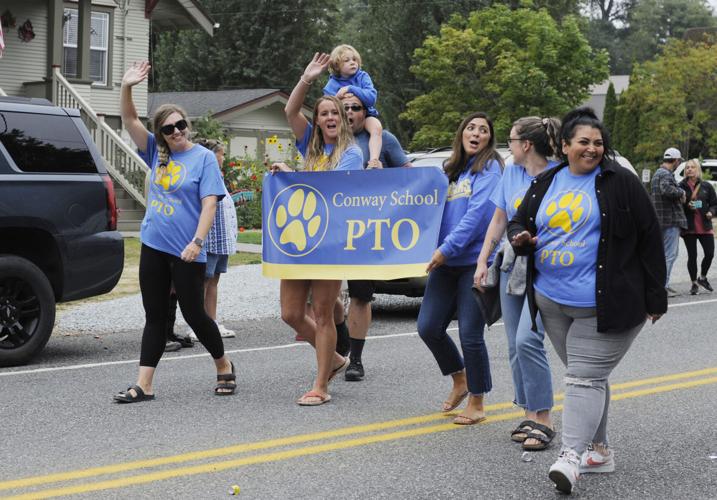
[(327, 144), (532, 141), (596, 273), (473, 170)]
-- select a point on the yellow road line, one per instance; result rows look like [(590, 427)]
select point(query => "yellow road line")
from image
[(314, 450), (304, 438)]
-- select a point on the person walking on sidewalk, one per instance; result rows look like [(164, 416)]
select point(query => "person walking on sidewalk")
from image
[(668, 198)]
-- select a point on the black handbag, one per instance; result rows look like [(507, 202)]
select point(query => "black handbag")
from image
[(489, 303)]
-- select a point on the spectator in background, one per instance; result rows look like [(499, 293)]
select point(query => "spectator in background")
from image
[(700, 206), (668, 198)]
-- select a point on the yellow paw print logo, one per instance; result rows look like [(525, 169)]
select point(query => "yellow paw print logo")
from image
[(517, 202), (567, 212), (171, 176), (297, 221)]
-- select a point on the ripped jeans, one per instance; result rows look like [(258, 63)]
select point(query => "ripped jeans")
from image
[(590, 357)]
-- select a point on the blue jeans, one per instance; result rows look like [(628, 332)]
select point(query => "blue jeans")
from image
[(526, 352), (448, 290), (671, 242)]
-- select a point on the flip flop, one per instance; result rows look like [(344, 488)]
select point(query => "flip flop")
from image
[(318, 399), (127, 397), (463, 420), (340, 369), (450, 406)]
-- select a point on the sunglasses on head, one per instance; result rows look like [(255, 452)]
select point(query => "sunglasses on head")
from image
[(169, 128), (353, 107)]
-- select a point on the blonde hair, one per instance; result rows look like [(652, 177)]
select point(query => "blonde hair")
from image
[(345, 138), (694, 162), (337, 54), (159, 117), (212, 145)]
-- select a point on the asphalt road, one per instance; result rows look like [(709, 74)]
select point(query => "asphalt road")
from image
[(380, 438)]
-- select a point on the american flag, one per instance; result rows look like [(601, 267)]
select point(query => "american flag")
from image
[(2, 41)]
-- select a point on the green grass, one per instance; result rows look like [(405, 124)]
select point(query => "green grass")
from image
[(129, 282), (250, 236)]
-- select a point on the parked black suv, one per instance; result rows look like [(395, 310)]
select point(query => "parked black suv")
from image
[(58, 221)]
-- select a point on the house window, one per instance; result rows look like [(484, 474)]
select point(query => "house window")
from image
[(99, 45)]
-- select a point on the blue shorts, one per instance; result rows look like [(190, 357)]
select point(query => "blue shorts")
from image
[(216, 264)]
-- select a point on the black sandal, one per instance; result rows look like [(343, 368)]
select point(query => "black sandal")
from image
[(543, 434), (127, 397), (224, 388), (521, 429)]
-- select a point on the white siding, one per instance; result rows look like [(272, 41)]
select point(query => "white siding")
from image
[(124, 51), (269, 118), (24, 61)]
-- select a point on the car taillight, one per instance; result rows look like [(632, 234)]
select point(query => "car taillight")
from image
[(111, 203)]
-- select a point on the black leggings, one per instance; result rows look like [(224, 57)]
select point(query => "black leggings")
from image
[(708, 247), (157, 271)]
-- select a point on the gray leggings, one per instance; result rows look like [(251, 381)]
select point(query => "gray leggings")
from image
[(590, 357)]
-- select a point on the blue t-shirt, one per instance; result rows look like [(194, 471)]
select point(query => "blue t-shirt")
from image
[(467, 214), (174, 201), (392, 154), (568, 223), (352, 159), (511, 189)]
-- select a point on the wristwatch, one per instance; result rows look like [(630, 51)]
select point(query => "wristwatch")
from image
[(198, 241)]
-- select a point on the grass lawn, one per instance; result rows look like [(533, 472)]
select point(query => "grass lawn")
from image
[(250, 236), (129, 282)]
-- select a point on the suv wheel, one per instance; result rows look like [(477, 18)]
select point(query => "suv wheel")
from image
[(27, 310)]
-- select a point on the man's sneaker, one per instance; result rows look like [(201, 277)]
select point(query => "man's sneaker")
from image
[(704, 284), (694, 289), (354, 372), (172, 346), (593, 461), (565, 472), (671, 292), (225, 332), (343, 344)]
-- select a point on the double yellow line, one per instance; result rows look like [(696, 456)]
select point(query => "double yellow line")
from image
[(179, 465)]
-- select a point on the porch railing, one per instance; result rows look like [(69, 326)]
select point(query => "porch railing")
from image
[(123, 163)]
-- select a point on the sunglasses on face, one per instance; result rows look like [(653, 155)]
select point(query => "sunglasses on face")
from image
[(353, 107), (169, 128)]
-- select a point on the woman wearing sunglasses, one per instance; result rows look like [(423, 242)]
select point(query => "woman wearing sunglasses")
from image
[(186, 184)]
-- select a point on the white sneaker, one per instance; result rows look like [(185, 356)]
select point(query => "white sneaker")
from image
[(190, 333), (593, 461), (565, 472), (225, 332)]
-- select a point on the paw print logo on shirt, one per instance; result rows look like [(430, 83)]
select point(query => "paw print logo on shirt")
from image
[(298, 220), (566, 212), (171, 178)]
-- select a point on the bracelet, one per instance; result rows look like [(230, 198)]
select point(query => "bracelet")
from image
[(305, 82)]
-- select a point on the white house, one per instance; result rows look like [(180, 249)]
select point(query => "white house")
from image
[(75, 52), (598, 93), (253, 119)]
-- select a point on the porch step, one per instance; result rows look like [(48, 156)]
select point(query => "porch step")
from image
[(131, 212), (131, 226)]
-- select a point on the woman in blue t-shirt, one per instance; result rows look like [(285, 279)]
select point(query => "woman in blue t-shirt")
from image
[(473, 169), (532, 141), (184, 188), (596, 273), (327, 144)]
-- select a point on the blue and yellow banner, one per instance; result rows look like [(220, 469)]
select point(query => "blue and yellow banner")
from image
[(357, 224)]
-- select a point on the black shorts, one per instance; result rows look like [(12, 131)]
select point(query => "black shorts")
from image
[(362, 289)]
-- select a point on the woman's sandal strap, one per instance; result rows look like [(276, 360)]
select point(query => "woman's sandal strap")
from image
[(550, 433), (226, 377)]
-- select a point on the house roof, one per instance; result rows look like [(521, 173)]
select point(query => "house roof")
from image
[(219, 102), (620, 82), (179, 14)]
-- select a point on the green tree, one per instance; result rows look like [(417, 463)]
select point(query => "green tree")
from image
[(258, 45), (209, 127), (506, 63), (610, 107), (675, 98)]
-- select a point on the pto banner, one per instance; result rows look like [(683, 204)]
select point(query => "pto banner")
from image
[(356, 224)]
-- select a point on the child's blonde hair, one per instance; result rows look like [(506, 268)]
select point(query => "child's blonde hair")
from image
[(337, 54)]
